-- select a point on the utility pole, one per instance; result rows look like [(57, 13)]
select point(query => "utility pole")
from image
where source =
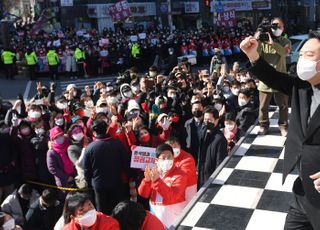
[(170, 15)]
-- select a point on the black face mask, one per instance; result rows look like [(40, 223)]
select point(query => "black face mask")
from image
[(197, 113), (209, 125)]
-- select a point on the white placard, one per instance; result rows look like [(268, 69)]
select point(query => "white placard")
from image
[(134, 38), (142, 36), (142, 157)]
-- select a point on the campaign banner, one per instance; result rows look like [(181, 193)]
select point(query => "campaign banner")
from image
[(119, 11), (142, 157), (226, 18)]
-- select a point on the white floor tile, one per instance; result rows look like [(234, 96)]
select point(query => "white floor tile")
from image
[(266, 220), (282, 154), (273, 122), (260, 164), (275, 182), (270, 114), (223, 176), (255, 130), (243, 148), (269, 140), (238, 196), (195, 214)]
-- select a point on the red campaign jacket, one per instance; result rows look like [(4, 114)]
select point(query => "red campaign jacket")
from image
[(186, 163), (103, 222), (171, 187), (151, 222)]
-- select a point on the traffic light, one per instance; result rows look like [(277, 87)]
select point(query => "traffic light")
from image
[(207, 3)]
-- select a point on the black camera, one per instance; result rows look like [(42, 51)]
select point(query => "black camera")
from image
[(264, 28)]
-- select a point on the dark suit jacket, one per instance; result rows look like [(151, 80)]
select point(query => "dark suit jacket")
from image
[(303, 140)]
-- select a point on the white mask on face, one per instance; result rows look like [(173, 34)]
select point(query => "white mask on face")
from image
[(78, 136), (59, 140), (242, 102), (89, 104), (102, 110), (88, 219), (59, 122), (277, 32), (40, 131), (235, 91), (229, 127), (9, 225), (34, 114), (165, 165), (128, 94), (218, 106), (306, 69), (176, 152)]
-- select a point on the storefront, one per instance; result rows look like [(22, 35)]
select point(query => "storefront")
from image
[(142, 13), (252, 10)]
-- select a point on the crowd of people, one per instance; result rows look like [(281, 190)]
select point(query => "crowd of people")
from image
[(79, 53), (84, 139)]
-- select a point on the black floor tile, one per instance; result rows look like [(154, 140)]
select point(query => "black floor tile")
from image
[(233, 161), (264, 151), (210, 193), (250, 138), (275, 201), (248, 178), (225, 218)]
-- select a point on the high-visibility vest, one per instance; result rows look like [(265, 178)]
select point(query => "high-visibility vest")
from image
[(79, 54), (135, 50), (7, 57), (31, 59), (52, 57)]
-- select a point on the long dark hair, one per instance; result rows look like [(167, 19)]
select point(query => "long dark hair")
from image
[(73, 201)]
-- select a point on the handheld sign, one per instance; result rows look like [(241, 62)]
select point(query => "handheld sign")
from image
[(142, 157)]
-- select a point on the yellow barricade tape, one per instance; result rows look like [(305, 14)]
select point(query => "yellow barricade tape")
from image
[(57, 187)]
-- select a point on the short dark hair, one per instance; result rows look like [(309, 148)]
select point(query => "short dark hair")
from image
[(173, 140), (213, 111), (49, 196), (278, 18), (230, 116), (73, 201), (25, 189), (99, 126), (314, 34), (246, 92), (163, 147), (129, 214)]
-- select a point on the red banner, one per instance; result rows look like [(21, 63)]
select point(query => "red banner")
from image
[(119, 11), (226, 18)]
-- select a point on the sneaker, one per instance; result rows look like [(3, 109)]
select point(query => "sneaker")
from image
[(263, 131), (284, 132)]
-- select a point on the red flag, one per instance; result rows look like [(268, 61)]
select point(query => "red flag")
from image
[(119, 11)]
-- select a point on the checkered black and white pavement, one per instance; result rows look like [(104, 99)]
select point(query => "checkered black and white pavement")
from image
[(247, 191)]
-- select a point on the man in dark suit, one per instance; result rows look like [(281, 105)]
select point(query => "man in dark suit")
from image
[(303, 142)]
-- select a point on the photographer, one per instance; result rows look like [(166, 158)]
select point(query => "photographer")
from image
[(273, 48)]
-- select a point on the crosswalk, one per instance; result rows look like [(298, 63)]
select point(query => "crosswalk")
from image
[(81, 83)]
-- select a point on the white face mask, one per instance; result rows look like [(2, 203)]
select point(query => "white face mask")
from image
[(277, 32), (61, 106), (152, 73), (242, 102), (88, 219), (235, 91), (34, 114), (165, 165), (218, 106), (78, 136), (128, 94), (89, 104), (230, 127), (102, 110), (59, 122), (306, 69), (135, 89), (9, 225), (176, 152), (40, 131), (59, 140)]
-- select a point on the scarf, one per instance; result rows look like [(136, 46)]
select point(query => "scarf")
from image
[(229, 135), (61, 149)]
